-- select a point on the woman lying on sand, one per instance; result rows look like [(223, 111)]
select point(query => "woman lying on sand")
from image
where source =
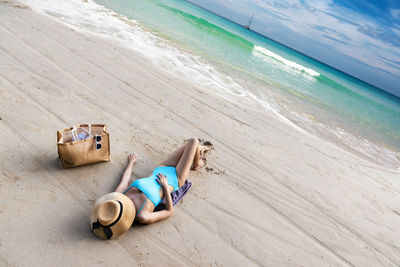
[(114, 213)]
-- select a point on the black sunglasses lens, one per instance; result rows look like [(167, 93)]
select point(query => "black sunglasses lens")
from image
[(98, 146), (98, 138)]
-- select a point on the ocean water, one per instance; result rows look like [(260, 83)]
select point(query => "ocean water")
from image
[(243, 66)]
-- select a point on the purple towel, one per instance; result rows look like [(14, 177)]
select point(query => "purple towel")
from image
[(176, 195)]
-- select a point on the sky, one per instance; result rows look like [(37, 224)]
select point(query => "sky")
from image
[(359, 37)]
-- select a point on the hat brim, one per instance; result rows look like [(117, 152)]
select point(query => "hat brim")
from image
[(124, 223)]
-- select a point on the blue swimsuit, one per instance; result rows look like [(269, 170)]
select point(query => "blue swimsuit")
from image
[(151, 188)]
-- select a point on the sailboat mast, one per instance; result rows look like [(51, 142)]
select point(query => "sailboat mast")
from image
[(251, 19)]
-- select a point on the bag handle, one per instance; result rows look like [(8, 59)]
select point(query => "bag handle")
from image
[(75, 135)]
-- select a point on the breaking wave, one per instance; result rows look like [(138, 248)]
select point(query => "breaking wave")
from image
[(259, 51)]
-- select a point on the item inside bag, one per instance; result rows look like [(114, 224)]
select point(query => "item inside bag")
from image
[(80, 136), (75, 134)]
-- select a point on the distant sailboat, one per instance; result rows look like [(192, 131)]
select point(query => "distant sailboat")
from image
[(248, 25)]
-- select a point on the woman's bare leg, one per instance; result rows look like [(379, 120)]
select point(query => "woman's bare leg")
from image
[(190, 154), (173, 159)]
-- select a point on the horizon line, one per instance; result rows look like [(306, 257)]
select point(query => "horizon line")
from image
[(297, 51)]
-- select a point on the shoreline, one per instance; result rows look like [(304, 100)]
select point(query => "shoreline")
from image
[(126, 32), (321, 62), (275, 196)]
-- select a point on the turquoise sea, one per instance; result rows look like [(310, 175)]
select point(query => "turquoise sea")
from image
[(249, 68)]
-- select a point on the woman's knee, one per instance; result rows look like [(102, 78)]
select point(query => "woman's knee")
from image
[(193, 141)]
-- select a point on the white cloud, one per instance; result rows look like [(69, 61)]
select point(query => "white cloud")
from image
[(395, 13), (322, 28), (315, 20)]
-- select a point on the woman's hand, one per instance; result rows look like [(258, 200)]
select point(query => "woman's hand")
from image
[(132, 158), (162, 180), (147, 217)]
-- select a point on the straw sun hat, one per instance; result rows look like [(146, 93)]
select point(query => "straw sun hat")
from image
[(112, 215)]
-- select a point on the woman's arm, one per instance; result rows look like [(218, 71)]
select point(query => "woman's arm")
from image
[(127, 174), (152, 217)]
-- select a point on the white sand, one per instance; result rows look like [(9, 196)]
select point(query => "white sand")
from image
[(276, 196)]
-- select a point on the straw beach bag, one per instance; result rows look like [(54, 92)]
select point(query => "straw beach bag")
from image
[(85, 144)]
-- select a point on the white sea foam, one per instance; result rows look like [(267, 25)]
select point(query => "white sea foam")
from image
[(262, 52), (365, 148), (92, 18), (89, 17)]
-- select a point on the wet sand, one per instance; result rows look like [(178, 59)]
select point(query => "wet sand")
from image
[(271, 195)]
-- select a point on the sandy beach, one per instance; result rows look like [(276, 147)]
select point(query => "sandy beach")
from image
[(272, 195)]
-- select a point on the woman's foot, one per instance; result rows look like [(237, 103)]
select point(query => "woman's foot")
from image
[(199, 164), (205, 143), (204, 150)]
